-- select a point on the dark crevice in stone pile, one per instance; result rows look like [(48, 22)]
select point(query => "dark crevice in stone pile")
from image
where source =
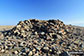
[(41, 38)]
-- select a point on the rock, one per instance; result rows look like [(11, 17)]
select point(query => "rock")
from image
[(46, 48), (2, 50), (36, 54), (24, 54), (64, 33), (49, 38), (36, 33), (42, 37), (38, 48), (18, 26), (34, 50), (59, 52), (64, 54), (62, 30), (54, 36), (58, 36), (42, 33), (30, 53), (82, 45), (35, 41), (16, 52), (6, 47), (1, 35), (77, 41), (23, 43)]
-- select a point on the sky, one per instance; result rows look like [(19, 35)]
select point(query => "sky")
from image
[(68, 11)]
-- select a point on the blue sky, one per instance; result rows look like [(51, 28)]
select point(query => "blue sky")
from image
[(69, 11)]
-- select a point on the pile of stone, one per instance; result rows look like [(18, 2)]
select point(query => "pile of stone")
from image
[(41, 38)]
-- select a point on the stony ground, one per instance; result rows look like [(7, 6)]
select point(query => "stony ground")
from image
[(4, 28), (40, 38)]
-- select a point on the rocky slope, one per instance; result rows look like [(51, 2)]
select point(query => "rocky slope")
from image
[(41, 38)]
